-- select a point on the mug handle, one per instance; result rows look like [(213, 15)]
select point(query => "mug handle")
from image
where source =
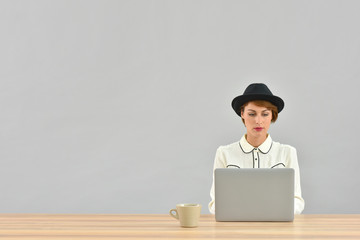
[(174, 215)]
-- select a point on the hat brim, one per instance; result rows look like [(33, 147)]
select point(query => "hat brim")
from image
[(241, 100)]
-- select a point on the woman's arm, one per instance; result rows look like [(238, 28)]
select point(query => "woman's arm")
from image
[(299, 202), (219, 162)]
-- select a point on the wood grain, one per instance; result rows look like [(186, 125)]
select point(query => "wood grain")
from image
[(161, 226)]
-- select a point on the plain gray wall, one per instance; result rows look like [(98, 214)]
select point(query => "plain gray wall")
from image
[(119, 106)]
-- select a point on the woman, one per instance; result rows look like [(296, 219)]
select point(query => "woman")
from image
[(258, 108)]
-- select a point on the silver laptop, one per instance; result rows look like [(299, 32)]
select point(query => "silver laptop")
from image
[(254, 194)]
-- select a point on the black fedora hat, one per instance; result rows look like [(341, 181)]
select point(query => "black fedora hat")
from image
[(256, 91)]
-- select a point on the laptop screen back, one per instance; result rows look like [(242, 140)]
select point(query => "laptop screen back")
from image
[(254, 194)]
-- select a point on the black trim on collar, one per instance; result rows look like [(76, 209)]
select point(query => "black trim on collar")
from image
[(267, 151), (257, 148), (243, 149)]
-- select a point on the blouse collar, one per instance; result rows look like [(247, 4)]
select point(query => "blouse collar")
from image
[(264, 147)]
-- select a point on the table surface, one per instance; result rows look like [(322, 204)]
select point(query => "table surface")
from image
[(162, 226)]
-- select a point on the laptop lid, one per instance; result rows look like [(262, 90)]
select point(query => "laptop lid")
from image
[(254, 194)]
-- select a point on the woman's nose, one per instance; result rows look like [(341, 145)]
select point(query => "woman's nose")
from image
[(258, 119)]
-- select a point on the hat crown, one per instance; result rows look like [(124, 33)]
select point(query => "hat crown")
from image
[(256, 91), (257, 88)]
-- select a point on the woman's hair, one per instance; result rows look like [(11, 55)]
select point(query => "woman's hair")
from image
[(263, 103)]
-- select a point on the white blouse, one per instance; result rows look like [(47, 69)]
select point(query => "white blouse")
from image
[(269, 154)]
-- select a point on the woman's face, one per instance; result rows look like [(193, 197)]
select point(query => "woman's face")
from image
[(257, 120)]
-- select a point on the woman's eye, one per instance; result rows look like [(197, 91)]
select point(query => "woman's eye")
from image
[(251, 114), (265, 114)]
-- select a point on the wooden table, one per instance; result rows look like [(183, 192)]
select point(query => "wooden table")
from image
[(86, 226)]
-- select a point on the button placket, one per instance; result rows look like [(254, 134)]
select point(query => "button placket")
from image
[(256, 157)]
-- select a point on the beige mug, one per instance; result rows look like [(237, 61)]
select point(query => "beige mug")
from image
[(187, 214)]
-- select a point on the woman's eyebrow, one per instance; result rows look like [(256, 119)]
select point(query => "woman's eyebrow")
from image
[(262, 110)]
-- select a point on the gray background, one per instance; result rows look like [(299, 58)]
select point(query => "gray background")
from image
[(119, 106)]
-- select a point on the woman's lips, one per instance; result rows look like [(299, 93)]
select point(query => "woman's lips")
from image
[(258, 129)]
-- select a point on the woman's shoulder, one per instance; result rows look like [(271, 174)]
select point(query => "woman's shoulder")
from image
[(229, 147), (284, 147)]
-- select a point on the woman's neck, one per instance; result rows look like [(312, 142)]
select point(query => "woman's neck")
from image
[(255, 141)]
